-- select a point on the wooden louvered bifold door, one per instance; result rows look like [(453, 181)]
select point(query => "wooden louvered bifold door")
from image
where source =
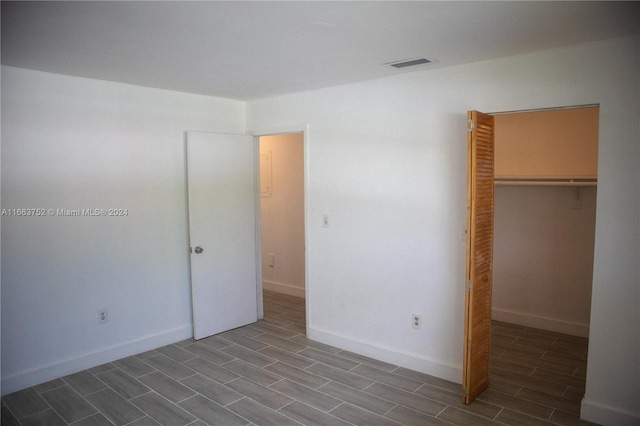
[(477, 323)]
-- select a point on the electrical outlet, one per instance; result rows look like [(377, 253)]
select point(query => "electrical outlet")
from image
[(103, 316), (416, 320)]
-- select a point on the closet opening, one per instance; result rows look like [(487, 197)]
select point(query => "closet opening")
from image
[(545, 200), (544, 232), (532, 181)]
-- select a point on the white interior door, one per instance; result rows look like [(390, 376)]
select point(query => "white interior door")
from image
[(222, 230)]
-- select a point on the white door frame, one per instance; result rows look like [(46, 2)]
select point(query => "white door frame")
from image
[(257, 133)]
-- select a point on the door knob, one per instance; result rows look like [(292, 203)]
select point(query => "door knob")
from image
[(199, 249)]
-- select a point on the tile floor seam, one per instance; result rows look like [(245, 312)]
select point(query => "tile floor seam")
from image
[(159, 395), (184, 399), (90, 415), (400, 404), (65, 420), (225, 405), (319, 390), (325, 412), (515, 410), (499, 412), (437, 416), (79, 395), (39, 412), (355, 366), (266, 406), (395, 405), (238, 414), (371, 412)]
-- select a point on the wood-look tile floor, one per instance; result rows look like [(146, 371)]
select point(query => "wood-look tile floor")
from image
[(269, 373)]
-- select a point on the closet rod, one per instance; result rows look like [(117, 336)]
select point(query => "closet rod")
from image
[(545, 182)]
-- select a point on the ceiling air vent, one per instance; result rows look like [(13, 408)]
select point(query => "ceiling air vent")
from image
[(409, 62)]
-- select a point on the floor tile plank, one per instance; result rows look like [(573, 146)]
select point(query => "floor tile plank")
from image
[(45, 418), (169, 367), (516, 404), (210, 412), (114, 407), (96, 420), (162, 410), (391, 379), (84, 382), (252, 372), (262, 394), (252, 357), (242, 340), (510, 417), (287, 357), (360, 417), (259, 414), (211, 370), (407, 416), (133, 366), (176, 353), (408, 399), (68, 404), (25, 403), (461, 417), (209, 353), (124, 384), (341, 376), (171, 389), (306, 395), (298, 375), (310, 416), (357, 397), (211, 389)]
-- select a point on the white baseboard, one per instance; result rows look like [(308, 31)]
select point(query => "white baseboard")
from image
[(551, 324), (289, 289), (436, 368), (63, 368), (606, 415)]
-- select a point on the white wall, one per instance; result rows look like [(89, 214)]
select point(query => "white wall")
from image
[(75, 143), (543, 256), (387, 161), (282, 215)]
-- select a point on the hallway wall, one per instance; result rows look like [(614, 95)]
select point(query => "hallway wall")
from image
[(282, 215)]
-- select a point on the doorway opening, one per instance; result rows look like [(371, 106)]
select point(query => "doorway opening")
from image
[(282, 230)]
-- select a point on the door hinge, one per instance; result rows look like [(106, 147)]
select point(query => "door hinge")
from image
[(470, 126), (467, 285), (465, 391)]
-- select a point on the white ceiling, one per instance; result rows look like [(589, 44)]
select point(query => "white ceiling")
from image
[(248, 50)]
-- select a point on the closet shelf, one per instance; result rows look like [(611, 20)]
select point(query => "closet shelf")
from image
[(546, 181)]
